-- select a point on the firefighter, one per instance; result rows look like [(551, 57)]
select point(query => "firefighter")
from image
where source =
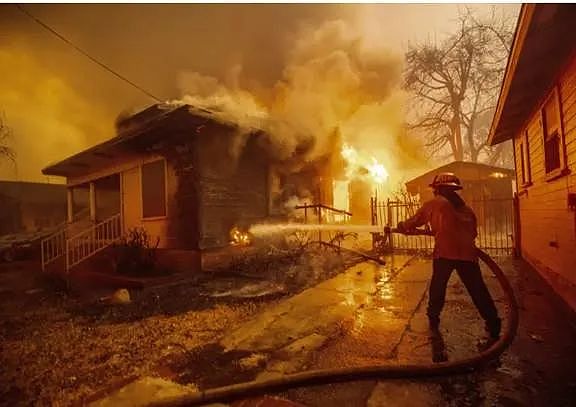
[(454, 226)]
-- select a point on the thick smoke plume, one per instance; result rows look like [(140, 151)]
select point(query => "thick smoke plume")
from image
[(45, 107), (334, 89)]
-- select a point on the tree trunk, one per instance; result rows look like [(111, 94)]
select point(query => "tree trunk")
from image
[(457, 134)]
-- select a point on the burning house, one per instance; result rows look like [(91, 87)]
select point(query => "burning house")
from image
[(193, 180), (188, 177)]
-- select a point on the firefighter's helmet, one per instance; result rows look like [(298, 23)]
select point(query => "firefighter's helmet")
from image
[(447, 180)]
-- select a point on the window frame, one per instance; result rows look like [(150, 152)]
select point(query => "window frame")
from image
[(525, 163), (562, 168), (157, 217)]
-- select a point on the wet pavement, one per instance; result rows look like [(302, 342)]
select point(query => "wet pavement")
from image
[(367, 314), (373, 314), (532, 372)]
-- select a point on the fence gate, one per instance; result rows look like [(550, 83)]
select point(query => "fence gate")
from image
[(496, 224)]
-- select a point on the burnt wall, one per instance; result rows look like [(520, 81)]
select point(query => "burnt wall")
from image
[(233, 184), (185, 205)]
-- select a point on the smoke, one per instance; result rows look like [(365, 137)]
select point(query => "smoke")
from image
[(336, 87), (302, 79), (44, 107), (329, 76)]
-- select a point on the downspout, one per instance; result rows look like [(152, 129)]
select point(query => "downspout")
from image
[(516, 205)]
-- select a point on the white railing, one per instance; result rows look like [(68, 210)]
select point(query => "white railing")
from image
[(89, 242), (53, 247)]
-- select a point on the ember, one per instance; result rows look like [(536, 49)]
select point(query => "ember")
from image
[(239, 238)]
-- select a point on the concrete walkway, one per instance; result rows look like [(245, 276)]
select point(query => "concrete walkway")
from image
[(533, 372), (375, 314)]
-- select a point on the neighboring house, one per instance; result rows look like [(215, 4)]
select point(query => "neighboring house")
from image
[(537, 110), (479, 181), (31, 206), (488, 190), (186, 175)]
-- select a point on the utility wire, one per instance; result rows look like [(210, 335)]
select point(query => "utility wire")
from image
[(80, 50)]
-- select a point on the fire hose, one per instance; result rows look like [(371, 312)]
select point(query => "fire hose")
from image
[(326, 376)]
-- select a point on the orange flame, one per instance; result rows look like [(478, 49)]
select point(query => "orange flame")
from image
[(362, 166), (239, 238)]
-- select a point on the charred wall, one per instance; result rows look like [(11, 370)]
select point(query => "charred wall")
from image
[(233, 183)]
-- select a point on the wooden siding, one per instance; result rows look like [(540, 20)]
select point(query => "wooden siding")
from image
[(233, 186), (548, 227)]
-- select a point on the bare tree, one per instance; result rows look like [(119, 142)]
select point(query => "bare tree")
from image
[(6, 152), (455, 86)]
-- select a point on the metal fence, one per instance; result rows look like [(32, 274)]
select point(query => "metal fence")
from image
[(496, 224)]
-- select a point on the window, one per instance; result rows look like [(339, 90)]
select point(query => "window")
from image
[(522, 164), (553, 145), (154, 189), (525, 172)]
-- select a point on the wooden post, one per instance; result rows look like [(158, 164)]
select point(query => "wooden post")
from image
[(92, 202), (389, 223), (70, 204)]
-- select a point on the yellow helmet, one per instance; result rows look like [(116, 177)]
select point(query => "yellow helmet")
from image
[(446, 179)]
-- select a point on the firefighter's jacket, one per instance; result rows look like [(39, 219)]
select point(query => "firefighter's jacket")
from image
[(454, 230)]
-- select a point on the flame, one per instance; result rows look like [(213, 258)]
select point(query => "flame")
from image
[(341, 198), (239, 238), (365, 167)]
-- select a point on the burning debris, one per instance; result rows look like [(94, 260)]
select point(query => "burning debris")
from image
[(239, 238)]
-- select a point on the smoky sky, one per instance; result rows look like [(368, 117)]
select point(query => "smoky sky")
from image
[(58, 102)]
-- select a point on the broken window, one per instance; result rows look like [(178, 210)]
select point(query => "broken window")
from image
[(552, 134), (154, 189)]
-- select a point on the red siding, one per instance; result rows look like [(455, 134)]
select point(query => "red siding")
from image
[(544, 214)]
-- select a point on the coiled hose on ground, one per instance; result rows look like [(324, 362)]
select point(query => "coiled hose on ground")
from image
[(326, 376)]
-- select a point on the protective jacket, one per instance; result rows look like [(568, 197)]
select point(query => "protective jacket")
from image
[(454, 229)]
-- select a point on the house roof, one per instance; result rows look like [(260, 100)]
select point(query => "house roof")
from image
[(545, 39), (33, 192), (145, 124), (457, 167)]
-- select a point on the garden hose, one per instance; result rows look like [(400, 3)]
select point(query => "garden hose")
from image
[(379, 372)]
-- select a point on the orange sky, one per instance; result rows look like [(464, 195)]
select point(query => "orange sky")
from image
[(58, 102)]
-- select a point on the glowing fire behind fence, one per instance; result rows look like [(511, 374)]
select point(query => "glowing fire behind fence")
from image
[(358, 166)]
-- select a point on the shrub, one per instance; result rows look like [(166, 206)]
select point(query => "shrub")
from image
[(134, 254)]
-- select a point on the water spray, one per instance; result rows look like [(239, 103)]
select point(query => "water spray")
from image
[(273, 228)]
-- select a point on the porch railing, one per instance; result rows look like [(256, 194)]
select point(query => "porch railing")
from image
[(53, 247), (324, 213), (91, 241), (319, 214)]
